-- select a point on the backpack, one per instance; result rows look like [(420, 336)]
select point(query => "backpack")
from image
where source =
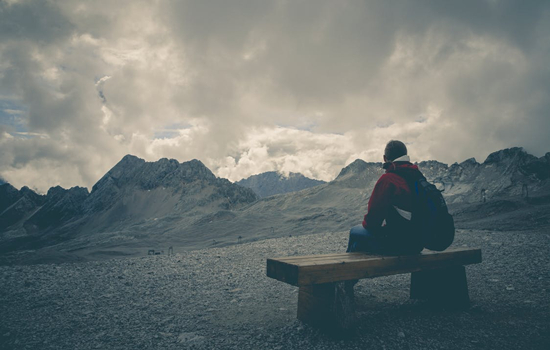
[(430, 216)]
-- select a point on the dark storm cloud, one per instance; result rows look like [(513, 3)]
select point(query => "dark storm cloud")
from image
[(40, 22)]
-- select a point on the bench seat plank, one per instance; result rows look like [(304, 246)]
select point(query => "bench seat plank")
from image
[(317, 269)]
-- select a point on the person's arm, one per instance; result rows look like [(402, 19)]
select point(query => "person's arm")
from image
[(379, 203)]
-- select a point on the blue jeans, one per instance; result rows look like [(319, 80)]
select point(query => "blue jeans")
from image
[(361, 240)]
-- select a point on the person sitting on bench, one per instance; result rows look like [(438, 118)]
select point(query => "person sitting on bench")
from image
[(387, 227)]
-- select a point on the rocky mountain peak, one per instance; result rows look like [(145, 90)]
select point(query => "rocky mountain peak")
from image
[(171, 173), (7, 188), (432, 165), (55, 193), (134, 171), (517, 154), (177, 183), (195, 169), (61, 205), (130, 159), (354, 167), (30, 194), (463, 170), (357, 167), (15, 205), (26, 189), (358, 174), (517, 163), (469, 162), (58, 193), (126, 165)]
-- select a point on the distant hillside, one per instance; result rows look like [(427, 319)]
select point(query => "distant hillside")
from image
[(271, 183)]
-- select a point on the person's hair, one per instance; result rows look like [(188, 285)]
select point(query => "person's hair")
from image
[(395, 149)]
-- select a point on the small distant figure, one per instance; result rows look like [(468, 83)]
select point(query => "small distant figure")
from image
[(151, 252), (483, 197), (239, 239), (170, 251), (525, 191)]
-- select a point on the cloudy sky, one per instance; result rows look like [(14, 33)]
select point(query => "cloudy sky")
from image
[(254, 86)]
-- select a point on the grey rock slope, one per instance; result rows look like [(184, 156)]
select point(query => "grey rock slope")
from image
[(138, 190), (136, 201), (271, 183)]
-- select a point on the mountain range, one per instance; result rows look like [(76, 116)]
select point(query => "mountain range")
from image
[(139, 205)]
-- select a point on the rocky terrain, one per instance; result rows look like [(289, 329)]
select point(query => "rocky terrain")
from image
[(213, 292), (271, 183), (220, 298)]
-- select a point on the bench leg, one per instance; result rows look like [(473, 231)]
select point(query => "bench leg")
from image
[(446, 287), (328, 305)]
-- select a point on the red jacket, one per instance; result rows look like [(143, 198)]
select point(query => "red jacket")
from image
[(391, 200)]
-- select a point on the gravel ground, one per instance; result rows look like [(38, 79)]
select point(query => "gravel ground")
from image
[(221, 299)]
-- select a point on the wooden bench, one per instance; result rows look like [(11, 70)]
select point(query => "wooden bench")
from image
[(326, 282)]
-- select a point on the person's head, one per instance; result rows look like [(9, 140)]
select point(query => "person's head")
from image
[(394, 149)]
